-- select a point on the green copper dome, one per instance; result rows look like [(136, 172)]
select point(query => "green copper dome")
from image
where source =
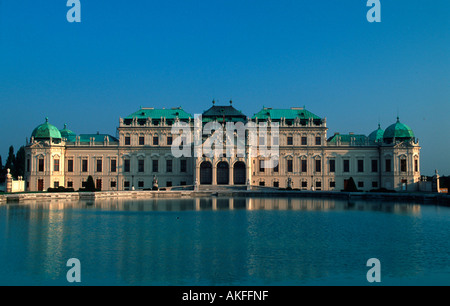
[(46, 131), (398, 131), (377, 135), (66, 133)]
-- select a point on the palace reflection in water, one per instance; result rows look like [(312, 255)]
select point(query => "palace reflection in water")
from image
[(217, 203), (221, 241)]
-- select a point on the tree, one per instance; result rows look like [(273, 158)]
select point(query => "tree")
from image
[(11, 159), (90, 185), (351, 186), (2, 174), (19, 163)]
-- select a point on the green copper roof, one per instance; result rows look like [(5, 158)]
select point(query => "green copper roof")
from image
[(377, 135), (288, 114), (171, 113), (348, 139), (66, 133), (46, 131), (398, 130)]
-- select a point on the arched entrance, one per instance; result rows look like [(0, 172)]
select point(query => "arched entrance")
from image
[(223, 173), (239, 176), (206, 173)]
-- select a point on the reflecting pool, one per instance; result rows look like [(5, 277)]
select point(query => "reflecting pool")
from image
[(224, 241)]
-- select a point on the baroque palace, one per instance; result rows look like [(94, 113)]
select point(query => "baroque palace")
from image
[(142, 151)]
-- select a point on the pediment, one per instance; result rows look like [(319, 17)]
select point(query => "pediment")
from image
[(38, 145)]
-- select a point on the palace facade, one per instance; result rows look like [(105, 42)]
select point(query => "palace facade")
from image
[(142, 150)]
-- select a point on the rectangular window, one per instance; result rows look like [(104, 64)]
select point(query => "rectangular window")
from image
[(113, 165), (126, 185), (155, 165), (403, 165), (28, 165), (332, 184), (99, 165), (84, 165), (289, 165), (141, 184), (98, 184), (55, 184), (346, 165), (155, 140), (332, 165), (290, 141), (169, 140), (169, 184), (276, 184), (318, 141), (126, 165), (69, 184), (262, 140), (84, 184), (304, 165), (127, 140), (318, 165), (41, 165), (70, 165), (183, 183), (56, 165), (141, 165), (374, 165), (388, 165), (169, 165), (113, 184), (304, 141), (360, 165), (318, 184), (274, 141), (416, 165), (261, 165), (304, 184), (141, 140), (262, 183), (360, 184), (275, 169), (375, 184), (183, 165)]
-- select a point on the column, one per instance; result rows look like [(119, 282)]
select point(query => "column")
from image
[(231, 173), (196, 173), (214, 171)]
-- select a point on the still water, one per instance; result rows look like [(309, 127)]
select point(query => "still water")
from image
[(223, 241)]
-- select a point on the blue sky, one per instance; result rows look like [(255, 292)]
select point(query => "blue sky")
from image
[(322, 54)]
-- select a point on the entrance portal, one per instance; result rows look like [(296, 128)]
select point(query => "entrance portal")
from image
[(239, 173), (40, 185), (206, 173), (223, 173)]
